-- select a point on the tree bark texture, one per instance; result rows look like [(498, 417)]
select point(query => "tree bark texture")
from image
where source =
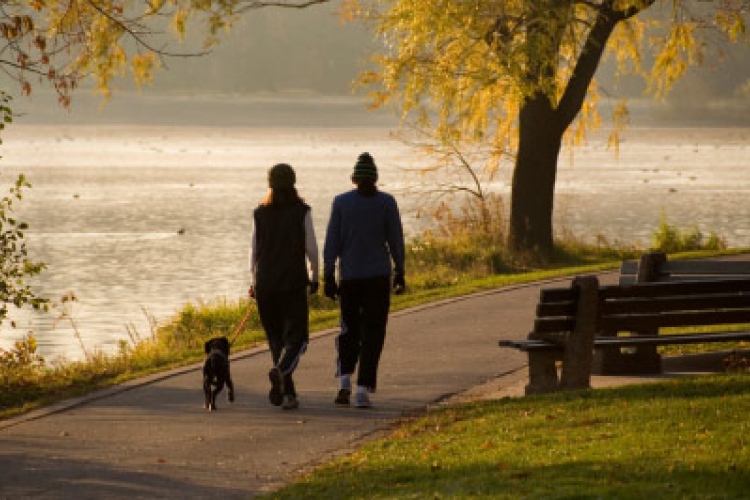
[(534, 175), (541, 129)]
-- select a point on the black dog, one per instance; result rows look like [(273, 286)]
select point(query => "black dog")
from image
[(216, 371)]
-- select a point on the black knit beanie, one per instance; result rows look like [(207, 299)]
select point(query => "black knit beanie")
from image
[(281, 176), (365, 168)]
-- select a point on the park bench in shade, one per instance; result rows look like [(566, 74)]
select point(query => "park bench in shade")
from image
[(615, 329), (655, 267)]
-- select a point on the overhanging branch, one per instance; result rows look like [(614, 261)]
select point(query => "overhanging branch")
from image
[(259, 4), (588, 61)]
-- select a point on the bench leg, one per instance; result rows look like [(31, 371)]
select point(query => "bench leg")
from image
[(579, 350), (644, 360), (542, 373)]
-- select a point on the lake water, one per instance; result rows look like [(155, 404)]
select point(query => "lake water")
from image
[(138, 219)]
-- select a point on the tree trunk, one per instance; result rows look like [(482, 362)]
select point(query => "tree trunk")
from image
[(541, 128), (534, 175)]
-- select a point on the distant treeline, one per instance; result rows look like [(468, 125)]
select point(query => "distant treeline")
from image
[(273, 50)]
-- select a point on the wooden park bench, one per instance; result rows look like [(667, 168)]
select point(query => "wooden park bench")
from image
[(655, 267), (573, 322)]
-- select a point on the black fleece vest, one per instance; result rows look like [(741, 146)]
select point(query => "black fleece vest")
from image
[(280, 240)]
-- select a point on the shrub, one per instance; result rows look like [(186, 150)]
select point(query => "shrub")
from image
[(15, 266), (671, 239)]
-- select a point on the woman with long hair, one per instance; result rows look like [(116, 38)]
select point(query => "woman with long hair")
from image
[(283, 243)]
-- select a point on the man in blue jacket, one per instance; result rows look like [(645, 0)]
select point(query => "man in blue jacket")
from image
[(364, 237)]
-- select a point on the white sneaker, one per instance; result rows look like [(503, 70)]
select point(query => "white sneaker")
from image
[(362, 400), (290, 402)]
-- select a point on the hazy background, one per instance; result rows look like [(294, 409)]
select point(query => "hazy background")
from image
[(310, 52), (143, 204)]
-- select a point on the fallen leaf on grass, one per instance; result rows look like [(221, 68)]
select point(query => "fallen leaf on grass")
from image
[(520, 474)]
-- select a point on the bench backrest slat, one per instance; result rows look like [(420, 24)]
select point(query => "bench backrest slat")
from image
[(640, 322), (629, 267), (554, 325), (675, 289), (686, 270), (649, 306), (567, 294), (713, 302), (555, 309), (708, 268)]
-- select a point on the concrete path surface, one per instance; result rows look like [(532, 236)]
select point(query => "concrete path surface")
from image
[(152, 438)]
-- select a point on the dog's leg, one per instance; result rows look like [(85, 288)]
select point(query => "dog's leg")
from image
[(212, 402), (230, 387), (207, 393), (216, 391)]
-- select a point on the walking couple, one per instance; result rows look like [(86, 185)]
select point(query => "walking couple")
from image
[(364, 238)]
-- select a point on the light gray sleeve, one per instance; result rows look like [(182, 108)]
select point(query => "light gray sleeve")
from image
[(253, 257), (395, 236), (311, 247)]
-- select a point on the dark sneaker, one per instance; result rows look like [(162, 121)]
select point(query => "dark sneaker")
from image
[(275, 395), (290, 402), (342, 398), (362, 400)]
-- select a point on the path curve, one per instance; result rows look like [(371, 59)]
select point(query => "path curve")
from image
[(151, 438)]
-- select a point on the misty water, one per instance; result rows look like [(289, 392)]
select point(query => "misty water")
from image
[(139, 217)]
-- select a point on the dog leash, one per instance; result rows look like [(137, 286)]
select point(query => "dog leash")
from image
[(242, 323)]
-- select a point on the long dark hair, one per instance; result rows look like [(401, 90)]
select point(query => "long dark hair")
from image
[(282, 197), (366, 186)]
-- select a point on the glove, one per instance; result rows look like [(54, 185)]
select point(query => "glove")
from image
[(399, 284), (330, 288), (314, 285)]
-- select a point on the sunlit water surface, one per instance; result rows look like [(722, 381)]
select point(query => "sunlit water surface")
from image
[(138, 220)]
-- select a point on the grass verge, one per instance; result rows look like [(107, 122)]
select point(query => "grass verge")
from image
[(447, 270), (679, 439)]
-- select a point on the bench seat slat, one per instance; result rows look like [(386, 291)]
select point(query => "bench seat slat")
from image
[(530, 345), (634, 341), (696, 338)]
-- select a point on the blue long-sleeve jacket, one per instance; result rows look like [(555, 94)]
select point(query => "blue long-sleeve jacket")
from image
[(364, 234)]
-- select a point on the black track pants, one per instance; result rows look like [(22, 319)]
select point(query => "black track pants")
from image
[(364, 314), (284, 316)]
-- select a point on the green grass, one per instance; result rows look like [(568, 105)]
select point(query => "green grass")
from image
[(438, 268), (681, 439), (28, 382)]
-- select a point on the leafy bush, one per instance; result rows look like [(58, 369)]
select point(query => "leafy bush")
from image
[(671, 239), (20, 362), (15, 266)]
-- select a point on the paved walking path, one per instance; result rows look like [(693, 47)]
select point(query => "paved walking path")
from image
[(152, 438)]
